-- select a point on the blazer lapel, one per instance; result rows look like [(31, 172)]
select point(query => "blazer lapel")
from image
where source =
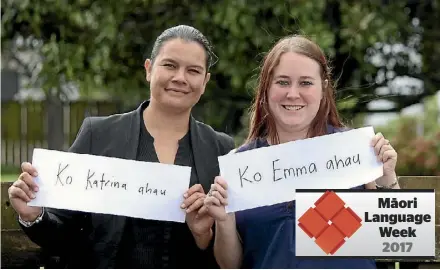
[(131, 143), (205, 155)]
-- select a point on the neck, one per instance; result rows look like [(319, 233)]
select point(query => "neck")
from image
[(289, 135), (161, 121)]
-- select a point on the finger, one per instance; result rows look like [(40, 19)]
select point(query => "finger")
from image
[(213, 187), (381, 142), (376, 138), (23, 186), (384, 148), (27, 167), (193, 198), (210, 201), (203, 210), (18, 193), (222, 200), (220, 189), (389, 154), (191, 190), (27, 178), (207, 202), (221, 181), (196, 205)]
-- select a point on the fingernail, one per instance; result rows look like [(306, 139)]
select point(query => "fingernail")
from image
[(32, 195), (187, 210), (35, 174), (36, 189), (183, 205), (185, 195)]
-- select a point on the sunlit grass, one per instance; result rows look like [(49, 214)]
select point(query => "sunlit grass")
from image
[(9, 177)]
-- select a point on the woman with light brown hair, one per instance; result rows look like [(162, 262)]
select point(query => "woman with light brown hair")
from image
[(294, 100)]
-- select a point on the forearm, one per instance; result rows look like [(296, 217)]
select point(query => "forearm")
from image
[(203, 240), (387, 181), (227, 247)]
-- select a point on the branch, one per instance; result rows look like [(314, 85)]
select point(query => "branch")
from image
[(25, 67)]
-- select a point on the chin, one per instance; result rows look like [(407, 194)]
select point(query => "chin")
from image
[(291, 122), (178, 103), (292, 125)]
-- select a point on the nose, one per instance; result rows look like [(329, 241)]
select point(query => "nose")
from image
[(293, 92), (180, 76)]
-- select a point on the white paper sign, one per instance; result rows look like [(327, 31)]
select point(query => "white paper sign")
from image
[(270, 175), (108, 185)]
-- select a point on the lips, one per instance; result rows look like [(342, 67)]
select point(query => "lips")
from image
[(293, 107), (177, 90)]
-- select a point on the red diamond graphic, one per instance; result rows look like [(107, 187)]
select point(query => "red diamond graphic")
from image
[(344, 222), (312, 223), (330, 240), (329, 204), (347, 221)]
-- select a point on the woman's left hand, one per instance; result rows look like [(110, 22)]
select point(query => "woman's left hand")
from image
[(385, 153), (197, 218)]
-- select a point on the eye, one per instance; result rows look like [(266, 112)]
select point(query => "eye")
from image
[(194, 71), (306, 83), (282, 82), (169, 65)]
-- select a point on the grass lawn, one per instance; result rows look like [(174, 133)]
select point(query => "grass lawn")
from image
[(9, 177)]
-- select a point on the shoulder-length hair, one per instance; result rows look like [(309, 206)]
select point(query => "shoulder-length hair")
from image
[(262, 124)]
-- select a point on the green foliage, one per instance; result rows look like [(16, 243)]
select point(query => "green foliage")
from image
[(102, 45), (417, 154)]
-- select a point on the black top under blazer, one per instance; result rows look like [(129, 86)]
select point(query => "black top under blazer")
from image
[(91, 240)]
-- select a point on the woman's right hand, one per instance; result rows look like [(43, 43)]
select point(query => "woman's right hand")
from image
[(23, 191), (216, 200)]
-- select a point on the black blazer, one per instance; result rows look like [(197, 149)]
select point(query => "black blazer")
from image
[(90, 240)]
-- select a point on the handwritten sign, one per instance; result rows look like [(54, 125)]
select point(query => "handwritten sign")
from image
[(270, 175), (110, 185)]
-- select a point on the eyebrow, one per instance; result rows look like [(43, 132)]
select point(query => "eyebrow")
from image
[(287, 77), (281, 77), (175, 62), (307, 77)]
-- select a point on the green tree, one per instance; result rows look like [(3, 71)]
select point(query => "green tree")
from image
[(101, 45)]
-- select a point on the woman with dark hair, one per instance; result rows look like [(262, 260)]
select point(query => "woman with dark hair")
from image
[(294, 100), (160, 130)]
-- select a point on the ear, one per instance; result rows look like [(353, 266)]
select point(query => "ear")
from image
[(148, 66), (207, 77)]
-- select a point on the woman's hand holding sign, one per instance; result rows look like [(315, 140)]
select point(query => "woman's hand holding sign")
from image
[(386, 154), (23, 191), (196, 217), (216, 200)]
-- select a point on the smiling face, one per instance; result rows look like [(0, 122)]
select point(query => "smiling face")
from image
[(295, 92), (178, 75), (294, 95)]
